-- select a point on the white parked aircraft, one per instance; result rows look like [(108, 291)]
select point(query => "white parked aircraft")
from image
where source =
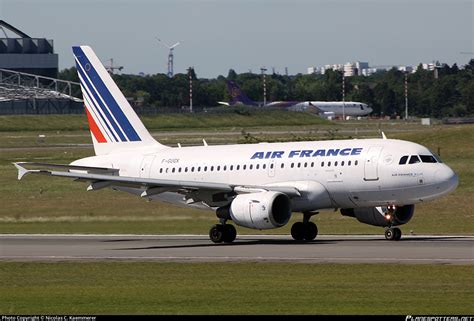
[(258, 186), (323, 108)]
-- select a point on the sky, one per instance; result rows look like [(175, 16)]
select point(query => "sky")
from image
[(245, 35)]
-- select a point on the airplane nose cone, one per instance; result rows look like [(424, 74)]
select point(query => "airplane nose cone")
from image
[(447, 178)]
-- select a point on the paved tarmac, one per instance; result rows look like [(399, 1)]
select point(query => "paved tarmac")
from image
[(426, 249)]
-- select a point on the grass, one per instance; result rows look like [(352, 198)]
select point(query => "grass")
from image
[(235, 288), (175, 122), (43, 205)]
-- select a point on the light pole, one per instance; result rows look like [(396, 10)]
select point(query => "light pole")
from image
[(406, 95), (343, 96), (190, 89), (263, 69)]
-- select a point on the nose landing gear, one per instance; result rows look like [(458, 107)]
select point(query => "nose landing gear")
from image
[(393, 234)]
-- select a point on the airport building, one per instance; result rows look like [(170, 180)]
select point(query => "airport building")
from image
[(28, 72), (25, 54)]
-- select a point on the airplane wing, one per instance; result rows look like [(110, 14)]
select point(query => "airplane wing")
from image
[(99, 178)]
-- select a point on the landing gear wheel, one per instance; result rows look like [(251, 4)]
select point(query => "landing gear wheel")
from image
[(216, 233), (398, 233), (393, 234), (229, 233), (311, 231), (298, 231)]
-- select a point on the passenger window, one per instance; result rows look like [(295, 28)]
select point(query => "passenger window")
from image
[(299, 165), (349, 163), (212, 168), (414, 159), (167, 170), (292, 165), (335, 163), (244, 167), (264, 166), (322, 164), (238, 167), (282, 165), (218, 168), (161, 170), (305, 164), (428, 159), (186, 169), (231, 167), (356, 163), (257, 167), (225, 167), (199, 168), (173, 170), (251, 166), (329, 164), (403, 160), (271, 166), (312, 164), (205, 168), (342, 163), (179, 170)]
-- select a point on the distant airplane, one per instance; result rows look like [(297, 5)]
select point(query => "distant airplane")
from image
[(258, 186), (324, 108)]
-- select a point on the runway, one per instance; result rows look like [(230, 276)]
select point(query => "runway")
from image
[(427, 249)]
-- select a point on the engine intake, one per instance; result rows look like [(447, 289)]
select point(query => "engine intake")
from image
[(376, 215), (265, 210)]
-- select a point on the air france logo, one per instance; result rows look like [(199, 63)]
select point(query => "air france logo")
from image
[(308, 153)]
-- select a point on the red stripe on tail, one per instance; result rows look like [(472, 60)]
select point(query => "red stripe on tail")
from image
[(95, 129)]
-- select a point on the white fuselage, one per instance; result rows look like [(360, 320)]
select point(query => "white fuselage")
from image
[(339, 108), (330, 174)]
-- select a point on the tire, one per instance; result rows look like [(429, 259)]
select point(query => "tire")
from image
[(398, 234), (229, 233), (298, 231), (216, 233), (390, 234), (311, 231)]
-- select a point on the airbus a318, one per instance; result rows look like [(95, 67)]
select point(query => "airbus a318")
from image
[(325, 109), (257, 186)]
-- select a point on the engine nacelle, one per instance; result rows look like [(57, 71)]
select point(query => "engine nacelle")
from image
[(265, 210), (378, 215)]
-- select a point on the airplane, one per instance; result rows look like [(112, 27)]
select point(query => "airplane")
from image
[(378, 181), (324, 108)]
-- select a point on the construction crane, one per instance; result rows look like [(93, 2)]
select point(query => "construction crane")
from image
[(111, 68), (170, 56)]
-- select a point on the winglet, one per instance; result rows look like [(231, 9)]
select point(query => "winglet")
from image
[(21, 170), (383, 136)]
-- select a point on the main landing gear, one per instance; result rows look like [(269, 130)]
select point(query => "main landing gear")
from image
[(393, 234), (305, 230), (222, 233)]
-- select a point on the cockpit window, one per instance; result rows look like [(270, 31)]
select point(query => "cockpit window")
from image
[(428, 159), (438, 159), (414, 159), (403, 160)]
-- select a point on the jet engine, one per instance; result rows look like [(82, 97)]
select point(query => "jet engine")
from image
[(381, 216), (265, 210)]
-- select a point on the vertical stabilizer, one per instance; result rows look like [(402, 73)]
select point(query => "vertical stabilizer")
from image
[(113, 123)]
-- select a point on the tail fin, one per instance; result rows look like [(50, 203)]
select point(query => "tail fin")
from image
[(113, 123), (238, 96)]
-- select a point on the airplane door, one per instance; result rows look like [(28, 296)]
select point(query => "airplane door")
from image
[(371, 164), (145, 166), (271, 168)]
